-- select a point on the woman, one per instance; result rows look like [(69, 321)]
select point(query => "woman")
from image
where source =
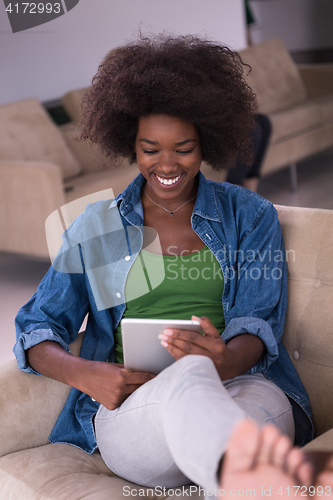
[(168, 104)]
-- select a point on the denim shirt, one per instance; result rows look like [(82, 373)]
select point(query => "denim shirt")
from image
[(240, 228)]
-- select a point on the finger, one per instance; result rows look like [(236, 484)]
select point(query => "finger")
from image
[(138, 377), (176, 352), (179, 348), (205, 346), (171, 335), (128, 389), (207, 327)]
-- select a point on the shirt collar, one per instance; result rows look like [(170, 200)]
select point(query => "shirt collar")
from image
[(205, 205)]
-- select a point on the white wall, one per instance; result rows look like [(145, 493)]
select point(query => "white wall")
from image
[(47, 61), (302, 24)]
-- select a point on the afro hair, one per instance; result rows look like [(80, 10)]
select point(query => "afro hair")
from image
[(196, 80)]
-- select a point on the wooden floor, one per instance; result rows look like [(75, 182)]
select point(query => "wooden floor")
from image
[(19, 277)]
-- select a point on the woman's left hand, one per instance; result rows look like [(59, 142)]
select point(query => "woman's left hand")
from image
[(181, 343)]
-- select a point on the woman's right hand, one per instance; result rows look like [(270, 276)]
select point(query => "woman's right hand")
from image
[(110, 383)]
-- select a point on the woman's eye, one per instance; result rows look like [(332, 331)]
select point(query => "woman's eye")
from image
[(149, 151), (185, 151)]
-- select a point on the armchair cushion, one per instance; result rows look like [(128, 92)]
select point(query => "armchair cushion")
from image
[(275, 79), (308, 237), (318, 78), (28, 133), (29, 192), (303, 118), (58, 472)]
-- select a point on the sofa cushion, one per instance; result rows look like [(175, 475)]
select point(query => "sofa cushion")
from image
[(275, 77), (28, 133), (64, 472), (296, 149), (302, 118)]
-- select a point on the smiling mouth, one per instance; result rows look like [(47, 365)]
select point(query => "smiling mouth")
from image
[(168, 182)]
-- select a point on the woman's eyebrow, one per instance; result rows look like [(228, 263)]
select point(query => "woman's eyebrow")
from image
[(177, 143), (147, 140), (185, 142)]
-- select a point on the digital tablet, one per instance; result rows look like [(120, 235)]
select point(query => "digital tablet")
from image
[(141, 346)]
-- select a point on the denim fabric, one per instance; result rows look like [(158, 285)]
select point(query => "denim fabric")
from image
[(241, 229)]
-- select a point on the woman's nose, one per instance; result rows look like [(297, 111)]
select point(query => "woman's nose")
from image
[(167, 162)]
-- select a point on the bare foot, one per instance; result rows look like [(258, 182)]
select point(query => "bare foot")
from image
[(262, 463)]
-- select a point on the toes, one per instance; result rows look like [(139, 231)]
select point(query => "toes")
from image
[(299, 467), (280, 451), (268, 437), (294, 460), (305, 474), (243, 445)]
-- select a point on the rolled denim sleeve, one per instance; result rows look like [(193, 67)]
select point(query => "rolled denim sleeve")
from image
[(55, 313), (260, 286), (259, 328), (30, 339)]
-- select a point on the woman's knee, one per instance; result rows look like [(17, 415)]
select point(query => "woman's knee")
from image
[(194, 364)]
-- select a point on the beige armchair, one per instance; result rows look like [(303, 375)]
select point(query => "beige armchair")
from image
[(32, 469)]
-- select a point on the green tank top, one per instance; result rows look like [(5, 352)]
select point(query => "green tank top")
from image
[(192, 285)]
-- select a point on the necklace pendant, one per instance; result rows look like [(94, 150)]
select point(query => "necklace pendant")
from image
[(171, 213)]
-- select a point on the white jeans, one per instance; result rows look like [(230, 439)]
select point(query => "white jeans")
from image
[(173, 430)]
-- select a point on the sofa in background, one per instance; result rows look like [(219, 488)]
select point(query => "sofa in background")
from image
[(33, 469), (298, 99)]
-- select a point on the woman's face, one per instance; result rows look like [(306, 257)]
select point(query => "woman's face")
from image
[(169, 156)]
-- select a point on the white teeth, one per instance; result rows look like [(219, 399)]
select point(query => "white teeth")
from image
[(168, 182)]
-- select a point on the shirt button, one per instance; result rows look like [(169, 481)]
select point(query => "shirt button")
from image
[(118, 295), (296, 355), (127, 258)]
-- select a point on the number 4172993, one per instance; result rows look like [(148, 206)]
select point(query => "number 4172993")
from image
[(305, 491), (34, 8)]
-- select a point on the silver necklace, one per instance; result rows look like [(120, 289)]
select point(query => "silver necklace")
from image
[(173, 211)]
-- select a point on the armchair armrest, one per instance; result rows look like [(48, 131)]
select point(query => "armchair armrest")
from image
[(324, 442), (29, 406), (318, 78), (30, 191)]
